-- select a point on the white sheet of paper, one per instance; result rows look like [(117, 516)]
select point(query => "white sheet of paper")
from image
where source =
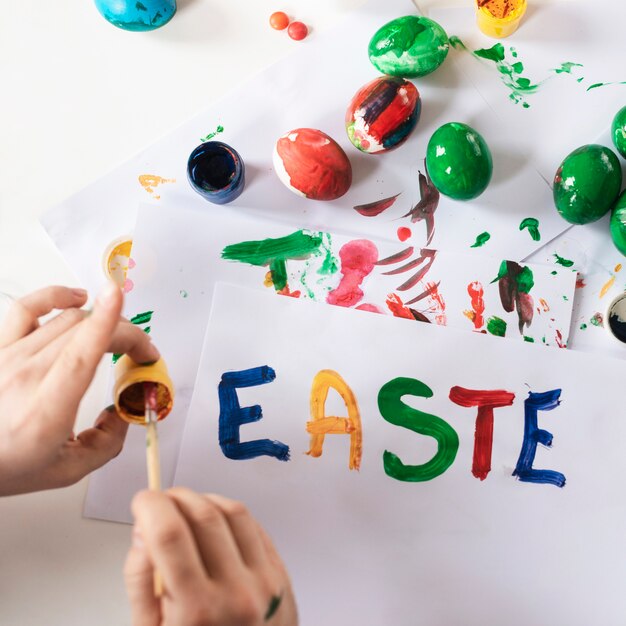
[(313, 88), (178, 260), (365, 548), (562, 114)]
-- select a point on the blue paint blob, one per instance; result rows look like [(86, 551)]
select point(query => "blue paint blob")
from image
[(533, 435), (137, 15), (233, 416), (216, 171)]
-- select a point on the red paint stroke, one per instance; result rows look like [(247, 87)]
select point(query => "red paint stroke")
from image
[(559, 339), (438, 305), (429, 290), (403, 233), (580, 283), (476, 293), (398, 257), (315, 163), (426, 207), (286, 292), (372, 308), (376, 208), (544, 305), (486, 401), (398, 309), (358, 258)]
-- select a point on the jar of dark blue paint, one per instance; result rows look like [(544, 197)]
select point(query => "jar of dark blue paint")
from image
[(216, 171), (137, 15)]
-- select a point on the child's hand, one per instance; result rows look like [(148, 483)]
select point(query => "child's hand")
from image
[(44, 372), (219, 567)]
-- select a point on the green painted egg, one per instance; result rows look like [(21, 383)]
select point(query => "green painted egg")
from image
[(618, 131), (618, 223), (409, 46), (459, 161), (587, 183)]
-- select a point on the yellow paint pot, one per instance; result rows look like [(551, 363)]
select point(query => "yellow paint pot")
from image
[(116, 258), (129, 394), (500, 18)]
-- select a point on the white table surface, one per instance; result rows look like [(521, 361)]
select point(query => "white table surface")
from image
[(78, 97)]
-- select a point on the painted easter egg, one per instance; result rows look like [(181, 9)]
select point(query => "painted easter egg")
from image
[(459, 161), (312, 164), (409, 46), (618, 131), (383, 114), (618, 223), (587, 183), (137, 15)]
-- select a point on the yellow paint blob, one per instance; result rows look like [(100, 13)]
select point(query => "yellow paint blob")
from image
[(609, 283), (499, 18), (116, 260), (322, 425), (618, 267), (268, 282), (150, 182)]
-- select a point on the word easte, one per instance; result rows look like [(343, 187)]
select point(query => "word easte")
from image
[(395, 411)]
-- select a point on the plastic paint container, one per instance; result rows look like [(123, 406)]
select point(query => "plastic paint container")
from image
[(615, 318), (216, 171), (129, 393), (116, 258), (499, 18)]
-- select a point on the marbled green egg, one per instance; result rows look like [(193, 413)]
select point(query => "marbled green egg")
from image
[(409, 46), (587, 183), (459, 161), (618, 223), (618, 131)]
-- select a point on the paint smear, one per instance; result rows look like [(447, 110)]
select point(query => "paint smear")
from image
[(376, 208), (496, 326), (566, 67), (217, 131), (403, 255), (476, 315), (403, 233), (427, 206), (398, 309), (605, 288), (357, 261), (515, 282), (481, 240), (150, 182), (597, 319), (437, 304), (533, 227), (183, 293), (544, 305), (559, 339), (562, 261), (580, 283), (596, 85), (424, 262)]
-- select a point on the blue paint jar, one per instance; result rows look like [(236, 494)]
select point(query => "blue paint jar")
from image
[(216, 171), (137, 15)]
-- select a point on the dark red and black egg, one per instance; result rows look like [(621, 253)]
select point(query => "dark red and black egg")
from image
[(383, 114)]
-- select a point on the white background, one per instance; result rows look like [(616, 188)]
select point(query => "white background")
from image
[(79, 97)]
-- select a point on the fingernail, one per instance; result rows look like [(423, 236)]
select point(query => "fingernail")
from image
[(137, 540), (148, 363), (110, 408), (107, 296), (79, 293)]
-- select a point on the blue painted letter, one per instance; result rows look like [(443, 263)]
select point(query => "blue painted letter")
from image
[(232, 416), (533, 435)]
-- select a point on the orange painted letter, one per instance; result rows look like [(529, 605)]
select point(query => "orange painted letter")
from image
[(322, 425)]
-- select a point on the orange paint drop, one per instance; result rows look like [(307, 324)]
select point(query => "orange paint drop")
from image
[(609, 283), (618, 267), (544, 305), (150, 182)]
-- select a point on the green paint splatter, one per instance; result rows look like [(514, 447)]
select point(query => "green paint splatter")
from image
[(330, 264), (562, 261), (565, 298), (566, 67), (481, 240), (529, 339), (456, 43), (137, 320), (303, 280), (523, 275), (217, 131), (496, 326), (543, 339), (554, 272), (533, 227), (583, 327), (580, 80), (596, 85), (597, 319), (183, 293), (495, 53), (275, 253)]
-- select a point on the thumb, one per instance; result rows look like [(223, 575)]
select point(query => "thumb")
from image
[(138, 575)]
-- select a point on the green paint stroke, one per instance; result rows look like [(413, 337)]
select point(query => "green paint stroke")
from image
[(533, 227), (597, 319), (524, 277), (566, 67), (481, 240), (596, 85), (138, 320), (529, 339), (562, 261), (275, 253), (496, 326), (398, 413), (217, 131), (329, 263), (583, 326)]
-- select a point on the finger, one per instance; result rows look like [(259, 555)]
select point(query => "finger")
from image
[(139, 579), (24, 313), (95, 446), (48, 332), (62, 388), (135, 342), (170, 544), (218, 548), (244, 528)]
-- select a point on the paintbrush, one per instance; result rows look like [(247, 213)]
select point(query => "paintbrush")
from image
[(152, 456)]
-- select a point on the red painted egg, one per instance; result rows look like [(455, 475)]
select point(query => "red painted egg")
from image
[(383, 114), (312, 164)]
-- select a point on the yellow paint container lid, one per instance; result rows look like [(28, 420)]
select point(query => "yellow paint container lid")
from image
[(129, 394), (500, 27), (116, 259)]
